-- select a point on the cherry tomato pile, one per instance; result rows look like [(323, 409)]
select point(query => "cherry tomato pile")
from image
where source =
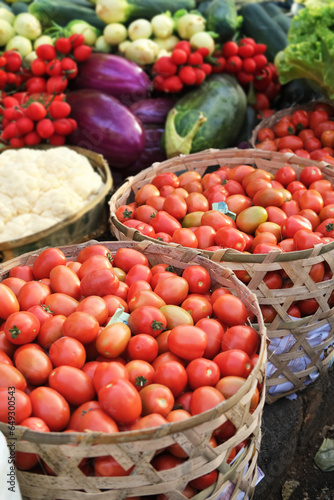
[(256, 212), (73, 364), (33, 107), (309, 134), (184, 67), (247, 61)]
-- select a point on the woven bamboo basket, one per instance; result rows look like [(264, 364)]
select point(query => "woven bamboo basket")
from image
[(271, 120), (286, 374), (63, 452), (89, 222)]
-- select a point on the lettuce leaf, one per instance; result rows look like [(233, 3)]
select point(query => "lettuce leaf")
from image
[(310, 53)]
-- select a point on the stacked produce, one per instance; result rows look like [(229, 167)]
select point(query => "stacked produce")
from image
[(107, 342)]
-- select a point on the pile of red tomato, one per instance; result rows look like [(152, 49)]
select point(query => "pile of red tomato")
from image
[(309, 134), (257, 212), (70, 363)]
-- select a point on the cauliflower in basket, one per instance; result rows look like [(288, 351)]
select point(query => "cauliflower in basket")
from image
[(40, 188)]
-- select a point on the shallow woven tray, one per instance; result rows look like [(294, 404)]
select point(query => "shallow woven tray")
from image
[(296, 264), (89, 222), (138, 447)]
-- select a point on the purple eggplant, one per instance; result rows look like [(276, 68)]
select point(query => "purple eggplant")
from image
[(114, 75), (106, 127), (152, 152), (153, 110)]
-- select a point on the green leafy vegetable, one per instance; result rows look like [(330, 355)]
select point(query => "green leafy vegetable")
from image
[(310, 53)]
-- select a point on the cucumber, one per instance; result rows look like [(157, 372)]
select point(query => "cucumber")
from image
[(210, 116), (64, 11), (277, 15), (127, 10), (19, 7), (222, 18), (259, 25)]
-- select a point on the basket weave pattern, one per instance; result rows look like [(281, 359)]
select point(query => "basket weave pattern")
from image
[(64, 452), (297, 264)]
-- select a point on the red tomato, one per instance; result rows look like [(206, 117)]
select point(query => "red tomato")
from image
[(156, 398), (238, 202), (310, 174), (305, 238), (51, 406), (322, 186), (15, 284), (138, 286), (145, 298), (113, 340), (187, 341), (81, 326), (230, 385), (204, 398), (205, 236), (109, 467), (46, 261), (202, 372), (147, 319), (198, 278), (64, 280), (307, 306), (145, 213), (293, 223), (275, 214), (73, 384), (100, 282), (204, 481), (292, 142), (95, 420), (25, 461), (125, 258), (214, 331), (300, 119), (4, 358), (141, 373), (185, 237), (10, 376), (166, 223), (197, 306), (311, 199), (89, 367), (233, 187), (311, 216), (8, 302), (157, 202), (50, 331), (60, 303), (256, 175), (67, 351), (166, 178), (291, 207), (107, 371), (145, 192), (230, 237), (121, 401), (268, 313), (172, 290), (234, 362), (32, 293), (138, 272), (230, 310), (95, 306), (143, 347), (34, 365), (216, 219), (175, 205), (90, 250), (15, 405), (21, 327), (173, 375), (22, 272), (241, 337), (124, 213), (239, 172)]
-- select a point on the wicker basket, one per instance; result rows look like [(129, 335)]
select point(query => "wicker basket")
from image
[(271, 120), (89, 222), (284, 377), (138, 447)]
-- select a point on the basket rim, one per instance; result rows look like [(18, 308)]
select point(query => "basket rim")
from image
[(124, 436), (101, 195)]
